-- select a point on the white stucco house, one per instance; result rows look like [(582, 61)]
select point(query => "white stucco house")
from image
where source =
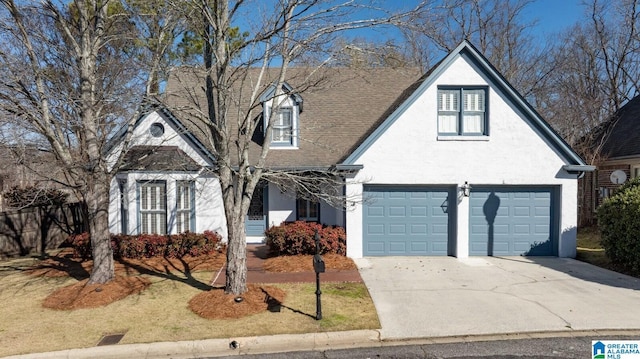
[(165, 184), (466, 163), (453, 162)]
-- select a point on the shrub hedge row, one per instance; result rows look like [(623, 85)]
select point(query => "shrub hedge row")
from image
[(152, 245), (298, 238), (619, 224)]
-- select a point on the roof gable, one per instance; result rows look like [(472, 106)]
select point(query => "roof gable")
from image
[(482, 65), (621, 131), (181, 142), (270, 92)]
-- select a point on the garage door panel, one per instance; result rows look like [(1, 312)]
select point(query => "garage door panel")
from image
[(520, 211), (497, 229), (442, 229), (522, 229), (373, 229), (395, 229), (397, 247), (406, 220), (523, 222), (542, 211), (419, 247), (375, 211), (419, 211), (375, 246), (419, 229), (439, 247), (397, 211)]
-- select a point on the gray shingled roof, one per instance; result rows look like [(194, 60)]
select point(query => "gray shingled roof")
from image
[(158, 158), (341, 106), (623, 131)]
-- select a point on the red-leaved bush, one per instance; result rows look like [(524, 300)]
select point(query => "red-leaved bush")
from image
[(298, 238), (152, 245), (81, 244)]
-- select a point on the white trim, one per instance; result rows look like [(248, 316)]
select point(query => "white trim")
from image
[(287, 102), (462, 138)]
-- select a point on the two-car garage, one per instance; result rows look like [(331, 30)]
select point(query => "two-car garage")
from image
[(421, 220)]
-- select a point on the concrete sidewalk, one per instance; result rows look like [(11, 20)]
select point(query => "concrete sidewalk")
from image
[(423, 297)]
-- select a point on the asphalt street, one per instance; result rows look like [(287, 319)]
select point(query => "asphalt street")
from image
[(546, 348)]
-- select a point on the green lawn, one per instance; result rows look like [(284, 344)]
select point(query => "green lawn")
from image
[(589, 249)]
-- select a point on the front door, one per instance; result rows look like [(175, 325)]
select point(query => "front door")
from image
[(256, 221)]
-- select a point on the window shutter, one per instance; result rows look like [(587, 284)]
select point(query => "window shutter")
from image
[(474, 100), (447, 100)]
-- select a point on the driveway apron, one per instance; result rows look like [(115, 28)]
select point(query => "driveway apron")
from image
[(418, 297)]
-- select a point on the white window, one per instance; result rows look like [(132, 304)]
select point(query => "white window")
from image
[(282, 128), (307, 210), (466, 117), (185, 206), (281, 116), (153, 207), (635, 171)]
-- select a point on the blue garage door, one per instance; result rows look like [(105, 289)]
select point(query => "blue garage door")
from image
[(406, 220), (508, 221)]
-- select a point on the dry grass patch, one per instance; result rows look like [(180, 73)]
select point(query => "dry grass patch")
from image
[(161, 312), (304, 263)]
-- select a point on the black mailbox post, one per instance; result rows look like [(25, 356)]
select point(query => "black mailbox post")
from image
[(318, 267)]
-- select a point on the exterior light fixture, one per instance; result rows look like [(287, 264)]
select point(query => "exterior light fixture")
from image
[(466, 189)]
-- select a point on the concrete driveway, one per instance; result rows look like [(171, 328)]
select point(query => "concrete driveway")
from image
[(419, 297)]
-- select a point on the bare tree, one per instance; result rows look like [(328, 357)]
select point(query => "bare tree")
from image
[(596, 71), (497, 27), (248, 47), (67, 82)]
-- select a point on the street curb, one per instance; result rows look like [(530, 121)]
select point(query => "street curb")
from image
[(220, 347), (295, 342)]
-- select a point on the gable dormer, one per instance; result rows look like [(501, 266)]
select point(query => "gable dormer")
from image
[(284, 110)]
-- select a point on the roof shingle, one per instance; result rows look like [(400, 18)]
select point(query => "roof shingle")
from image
[(341, 106)]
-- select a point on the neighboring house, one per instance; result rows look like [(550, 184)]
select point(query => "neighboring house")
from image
[(455, 162), (166, 183), (618, 144)]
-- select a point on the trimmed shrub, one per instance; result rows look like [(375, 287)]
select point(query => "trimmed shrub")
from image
[(298, 238), (81, 244), (152, 245), (618, 220)]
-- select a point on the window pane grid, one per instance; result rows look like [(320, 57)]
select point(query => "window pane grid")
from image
[(469, 120), (184, 206), (282, 127), (307, 210), (153, 208)]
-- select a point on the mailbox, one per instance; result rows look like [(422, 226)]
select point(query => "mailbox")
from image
[(318, 264)]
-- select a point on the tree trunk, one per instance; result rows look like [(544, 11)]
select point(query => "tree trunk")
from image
[(97, 199), (236, 281)]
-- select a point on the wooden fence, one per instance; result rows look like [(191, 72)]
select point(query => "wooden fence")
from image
[(34, 230)]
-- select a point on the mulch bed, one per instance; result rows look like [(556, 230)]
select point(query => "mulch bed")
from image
[(83, 295), (304, 263), (211, 304), (216, 304)]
